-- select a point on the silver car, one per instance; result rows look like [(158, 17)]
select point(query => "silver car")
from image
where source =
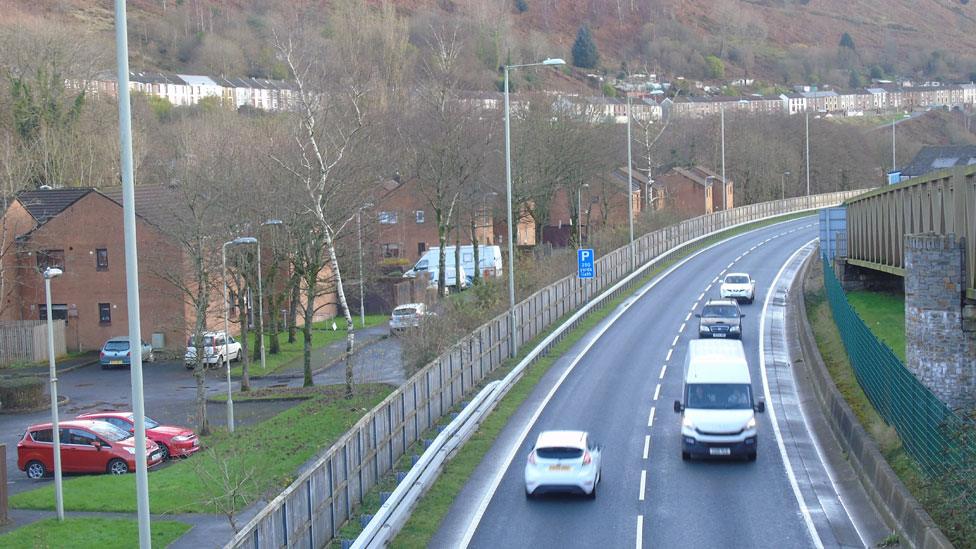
[(115, 353), (563, 461), (407, 316)]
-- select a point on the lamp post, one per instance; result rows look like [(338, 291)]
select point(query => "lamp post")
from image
[(50, 273), (223, 257), (630, 191), (513, 342), (725, 191), (808, 151), (783, 185), (579, 212), (362, 280)]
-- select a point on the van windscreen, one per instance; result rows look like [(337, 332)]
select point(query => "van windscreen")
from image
[(718, 396)]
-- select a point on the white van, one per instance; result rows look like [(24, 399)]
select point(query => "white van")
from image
[(429, 264), (718, 408), (489, 261)]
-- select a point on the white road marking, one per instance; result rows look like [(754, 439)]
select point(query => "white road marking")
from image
[(754, 247), (709, 287), (682, 328), (675, 342), (772, 411), (688, 317), (640, 497), (650, 418), (640, 531), (701, 296), (730, 265), (738, 259), (663, 369), (667, 358), (745, 253), (657, 391), (714, 280), (647, 445)]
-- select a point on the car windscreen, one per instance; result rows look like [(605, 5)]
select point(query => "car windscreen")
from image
[(207, 342), (116, 346), (736, 280), (559, 453), (405, 312), (151, 423), (718, 396), (109, 432), (719, 311)]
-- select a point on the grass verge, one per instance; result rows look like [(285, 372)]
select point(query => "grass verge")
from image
[(946, 515), (90, 532), (434, 506), (322, 336), (261, 459), (884, 315)]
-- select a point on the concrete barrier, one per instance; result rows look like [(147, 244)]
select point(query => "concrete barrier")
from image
[(899, 509)]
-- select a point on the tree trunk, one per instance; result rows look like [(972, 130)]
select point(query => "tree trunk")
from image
[(274, 346), (477, 255), (296, 296), (458, 274), (442, 261), (200, 325), (310, 289), (243, 318), (344, 308)]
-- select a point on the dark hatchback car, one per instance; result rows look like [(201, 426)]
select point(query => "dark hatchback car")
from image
[(720, 318)]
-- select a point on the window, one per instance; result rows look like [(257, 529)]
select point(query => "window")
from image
[(420, 216), (421, 248), (101, 259), (391, 250), (59, 311), (104, 313), (388, 218), (44, 435), (77, 436), (50, 258)]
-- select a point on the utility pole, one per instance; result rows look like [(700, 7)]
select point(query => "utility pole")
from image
[(808, 153), (630, 191), (725, 191)]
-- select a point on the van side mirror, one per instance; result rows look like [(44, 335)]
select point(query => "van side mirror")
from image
[(742, 315), (760, 406), (678, 407), (697, 315)]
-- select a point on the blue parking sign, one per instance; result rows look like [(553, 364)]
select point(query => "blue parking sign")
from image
[(584, 260)]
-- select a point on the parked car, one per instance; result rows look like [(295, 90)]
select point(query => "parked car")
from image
[(173, 441), (738, 286), (216, 346), (720, 318), (115, 353), (407, 316), (563, 461), (87, 446)]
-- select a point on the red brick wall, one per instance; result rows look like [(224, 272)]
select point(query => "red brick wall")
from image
[(685, 196)]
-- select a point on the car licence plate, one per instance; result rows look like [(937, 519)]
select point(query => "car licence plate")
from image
[(559, 467), (719, 451), (154, 455), (718, 334), (115, 362)]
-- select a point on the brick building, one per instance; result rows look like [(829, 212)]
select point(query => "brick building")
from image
[(601, 203), (695, 191)]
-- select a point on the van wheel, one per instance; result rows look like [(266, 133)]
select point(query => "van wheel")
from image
[(685, 456), (118, 467), (35, 470), (751, 456)]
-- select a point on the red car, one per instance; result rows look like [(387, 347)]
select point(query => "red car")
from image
[(173, 441), (86, 447)]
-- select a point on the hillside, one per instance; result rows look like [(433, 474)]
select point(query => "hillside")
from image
[(781, 41)]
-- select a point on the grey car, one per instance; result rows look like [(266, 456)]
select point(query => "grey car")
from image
[(720, 318), (115, 353)]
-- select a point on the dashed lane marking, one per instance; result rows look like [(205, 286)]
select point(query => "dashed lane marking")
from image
[(675, 342), (640, 531), (663, 369), (657, 391), (647, 445), (667, 358), (682, 328), (650, 418), (640, 496)]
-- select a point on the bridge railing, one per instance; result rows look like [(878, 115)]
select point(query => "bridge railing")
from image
[(941, 441), (310, 511)]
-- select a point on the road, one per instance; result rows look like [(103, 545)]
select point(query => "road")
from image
[(620, 386)]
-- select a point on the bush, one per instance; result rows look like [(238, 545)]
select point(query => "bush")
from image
[(20, 393)]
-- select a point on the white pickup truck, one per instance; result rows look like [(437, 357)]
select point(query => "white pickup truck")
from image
[(738, 286)]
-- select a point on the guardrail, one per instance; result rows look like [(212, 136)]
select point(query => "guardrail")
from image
[(310, 510)]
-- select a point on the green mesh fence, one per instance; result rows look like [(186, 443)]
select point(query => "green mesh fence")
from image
[(941, 442)]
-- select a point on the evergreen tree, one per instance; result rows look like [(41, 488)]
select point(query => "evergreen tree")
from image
[(584, 50), (522, 6), (847, 42)]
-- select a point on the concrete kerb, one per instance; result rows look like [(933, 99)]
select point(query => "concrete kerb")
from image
[(899, 509)]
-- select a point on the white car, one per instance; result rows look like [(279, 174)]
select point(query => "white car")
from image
[(738, 286), (407, 316), (563, 461), (216, 346)]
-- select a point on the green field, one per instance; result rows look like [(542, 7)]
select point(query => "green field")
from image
[(884, 315), (90, 532)]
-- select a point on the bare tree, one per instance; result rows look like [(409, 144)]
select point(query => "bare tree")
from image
[(229, 485)]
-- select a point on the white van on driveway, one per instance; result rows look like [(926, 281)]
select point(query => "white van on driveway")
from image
[(718, 408), (489, 261)]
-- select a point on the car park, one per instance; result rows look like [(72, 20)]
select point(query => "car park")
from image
[(738, 286), (717, 407), (407, 316), (115, 353), (173, 441), (87, 446), (216, 347), (563, 462), (720, 318)]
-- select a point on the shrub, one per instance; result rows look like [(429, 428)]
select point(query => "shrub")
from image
[(19, 393)]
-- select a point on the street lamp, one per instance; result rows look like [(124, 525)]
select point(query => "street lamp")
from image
[(50, 273), (513, 343), (783, 184), (579, 212), (630, 191), (362, 280), (223, 257)]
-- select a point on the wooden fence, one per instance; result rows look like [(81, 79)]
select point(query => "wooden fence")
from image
[(309, 512), (26, 340)]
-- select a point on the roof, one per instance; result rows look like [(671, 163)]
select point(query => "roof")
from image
[(716, 361), (639, 179), (153, 202), (47, 203), (561, 439), (699, 175), (197, 80), (930, 159)]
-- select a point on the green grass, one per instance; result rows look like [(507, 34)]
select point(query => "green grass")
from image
[(884, 315), (96, 533), (268, 453), (42, 363), (290, 353), (433, 507)]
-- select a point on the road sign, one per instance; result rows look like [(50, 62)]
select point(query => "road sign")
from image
[(585, 266)]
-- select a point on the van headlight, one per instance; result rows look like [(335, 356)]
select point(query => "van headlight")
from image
[(734, 328), (688, 423), (751, 424)]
